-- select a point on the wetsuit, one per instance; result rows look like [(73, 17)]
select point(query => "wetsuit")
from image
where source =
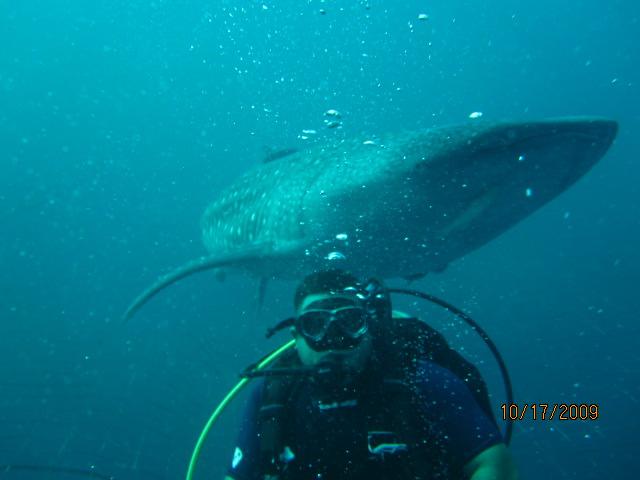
[(424, 427)]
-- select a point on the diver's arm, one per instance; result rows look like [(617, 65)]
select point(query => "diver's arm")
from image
[(494, 463)]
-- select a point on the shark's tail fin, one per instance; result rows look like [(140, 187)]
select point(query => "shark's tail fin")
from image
[(199, 265)]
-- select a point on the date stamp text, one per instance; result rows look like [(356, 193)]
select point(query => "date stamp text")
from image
[(550, 411)]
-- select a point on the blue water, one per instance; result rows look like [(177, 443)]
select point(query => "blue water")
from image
[(120, 121)]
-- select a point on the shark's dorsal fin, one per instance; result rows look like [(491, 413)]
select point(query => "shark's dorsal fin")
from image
[(271, 154)]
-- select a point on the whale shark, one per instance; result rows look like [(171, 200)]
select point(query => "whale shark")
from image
[(395, 205)]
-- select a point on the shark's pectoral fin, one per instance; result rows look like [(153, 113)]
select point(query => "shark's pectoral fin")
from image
[(262, 291), (413, 277), (236, 259), (220, 274)]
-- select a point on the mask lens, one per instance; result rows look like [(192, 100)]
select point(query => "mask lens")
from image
[(314, 323), (352, 321)]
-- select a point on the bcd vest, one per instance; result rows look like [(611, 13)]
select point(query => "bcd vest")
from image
[(386, 396)]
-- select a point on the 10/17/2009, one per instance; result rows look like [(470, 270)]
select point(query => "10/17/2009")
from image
[(550, 411)]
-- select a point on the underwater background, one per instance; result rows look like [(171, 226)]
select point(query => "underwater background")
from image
[(120, 121)]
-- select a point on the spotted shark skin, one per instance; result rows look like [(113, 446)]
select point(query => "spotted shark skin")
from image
[(398, 205)]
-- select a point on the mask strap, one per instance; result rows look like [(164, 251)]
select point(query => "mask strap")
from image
[(287, 322)]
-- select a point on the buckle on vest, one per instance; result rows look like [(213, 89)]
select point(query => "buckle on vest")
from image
[(382, 443)]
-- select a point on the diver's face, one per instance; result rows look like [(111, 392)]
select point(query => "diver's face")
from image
[(333, 330)]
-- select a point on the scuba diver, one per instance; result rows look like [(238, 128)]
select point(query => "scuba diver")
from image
[(367, 393)]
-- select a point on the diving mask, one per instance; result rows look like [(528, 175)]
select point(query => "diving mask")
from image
[(338, 328)]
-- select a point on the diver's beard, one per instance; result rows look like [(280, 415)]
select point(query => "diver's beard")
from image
[(336, 373)]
